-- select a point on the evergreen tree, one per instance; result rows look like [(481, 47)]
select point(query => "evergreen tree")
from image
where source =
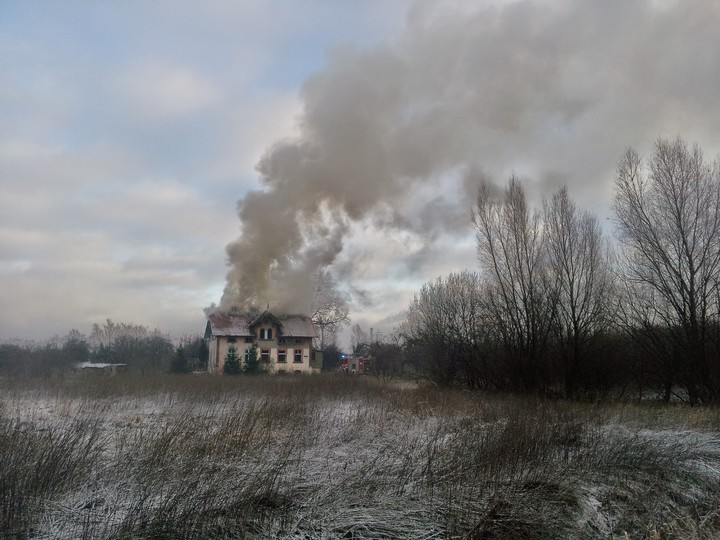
[(252, 365), (196, 351), (232, 362), (179, 363), (203, 353)]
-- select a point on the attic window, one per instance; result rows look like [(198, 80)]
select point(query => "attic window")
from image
[(231, 339), (266, 333)]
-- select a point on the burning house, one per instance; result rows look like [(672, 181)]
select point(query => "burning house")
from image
[(284, 342)]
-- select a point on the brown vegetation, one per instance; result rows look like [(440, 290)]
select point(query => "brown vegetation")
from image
[(332, 457)]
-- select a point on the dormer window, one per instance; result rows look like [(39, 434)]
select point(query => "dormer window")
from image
[(266, 333)]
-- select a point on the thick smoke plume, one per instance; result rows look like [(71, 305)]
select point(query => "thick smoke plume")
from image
[(392, 138)]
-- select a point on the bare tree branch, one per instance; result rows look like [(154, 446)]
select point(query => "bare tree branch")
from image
[(668, 217)]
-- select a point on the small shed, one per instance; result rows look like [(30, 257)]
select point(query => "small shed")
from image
[(101, 368)]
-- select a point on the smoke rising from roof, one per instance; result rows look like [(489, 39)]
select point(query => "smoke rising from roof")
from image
[(396, 137)]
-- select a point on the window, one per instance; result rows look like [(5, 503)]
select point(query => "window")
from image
[(265, 355), (282, 341), (266, 333), (298, 340), (282, 356), (298, 356), (248, 339), (231, 339)]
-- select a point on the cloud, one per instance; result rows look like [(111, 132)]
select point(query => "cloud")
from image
[(82, 239), (160, 92)]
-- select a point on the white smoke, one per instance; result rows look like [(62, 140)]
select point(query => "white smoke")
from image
[(395, 136)]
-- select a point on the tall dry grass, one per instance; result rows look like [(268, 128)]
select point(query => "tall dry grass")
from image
[(330, 457)]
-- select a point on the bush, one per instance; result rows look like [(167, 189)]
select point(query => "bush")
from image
[(38, 465)]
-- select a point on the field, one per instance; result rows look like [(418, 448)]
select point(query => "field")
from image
[(335, 457)]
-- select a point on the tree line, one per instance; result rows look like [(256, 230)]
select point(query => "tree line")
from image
[(144, 351), (556, 308)]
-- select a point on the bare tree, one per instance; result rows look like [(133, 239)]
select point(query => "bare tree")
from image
[(521, 297), (655, 345), (387, 360), (359, 340), (579, 261), (469, 328), (144, 350), (435, 323), (329, 310), (668, 216), (108, 333), (446, 324)]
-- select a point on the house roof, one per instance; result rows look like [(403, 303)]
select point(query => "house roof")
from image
[(265, 316), (298, 326), (96, 365), (241, 324), (226, 324)]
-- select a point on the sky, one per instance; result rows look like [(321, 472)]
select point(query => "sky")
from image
[(157, 157)]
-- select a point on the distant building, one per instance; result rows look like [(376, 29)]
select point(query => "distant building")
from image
[(284, 342), (101, 368)]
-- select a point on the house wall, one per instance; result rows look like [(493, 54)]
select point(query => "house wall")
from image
[(219, 346), (290, 345)]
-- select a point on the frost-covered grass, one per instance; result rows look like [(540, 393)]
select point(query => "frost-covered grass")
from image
[(331, 457)]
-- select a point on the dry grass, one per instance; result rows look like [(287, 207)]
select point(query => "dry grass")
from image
[(328, 457)]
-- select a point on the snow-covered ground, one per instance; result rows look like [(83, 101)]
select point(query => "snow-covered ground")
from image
[(331, 458)]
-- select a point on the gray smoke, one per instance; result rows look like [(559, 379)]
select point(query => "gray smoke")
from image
[(395, 137)]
